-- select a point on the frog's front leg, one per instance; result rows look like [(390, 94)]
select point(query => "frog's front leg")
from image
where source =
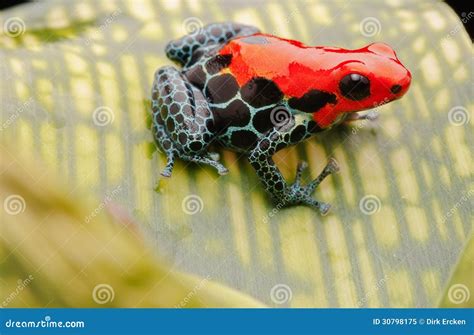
[(283, 194), (355, 116), (181, 120)]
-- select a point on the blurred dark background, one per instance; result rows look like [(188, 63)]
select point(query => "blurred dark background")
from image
[(462, 8)]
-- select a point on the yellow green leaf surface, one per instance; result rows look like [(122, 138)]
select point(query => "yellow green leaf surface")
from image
[(53, 256), (458, 291), (75, 81)]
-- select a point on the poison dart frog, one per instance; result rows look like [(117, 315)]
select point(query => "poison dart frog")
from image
[(256, 93)]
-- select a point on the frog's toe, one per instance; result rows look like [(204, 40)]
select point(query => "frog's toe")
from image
[(214, 156), (322, 207), (372, 115), (222, 171), (213, 160), (332, 165), (356, 116), (166, 173)]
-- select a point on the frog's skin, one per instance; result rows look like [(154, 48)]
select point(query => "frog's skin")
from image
[(256, 94)]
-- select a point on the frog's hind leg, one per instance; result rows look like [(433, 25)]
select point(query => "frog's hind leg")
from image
[(181, 50), (181, 120)]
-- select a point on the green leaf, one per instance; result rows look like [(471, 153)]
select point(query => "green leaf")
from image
[(58, 251), (458, 291)]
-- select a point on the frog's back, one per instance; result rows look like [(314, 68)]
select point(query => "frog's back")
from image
[(244, 81), (292, 65)]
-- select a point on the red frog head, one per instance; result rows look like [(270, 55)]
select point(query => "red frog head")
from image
[(325, 81), (367, 77)]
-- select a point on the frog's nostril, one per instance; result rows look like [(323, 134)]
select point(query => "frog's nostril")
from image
[(396, 89)]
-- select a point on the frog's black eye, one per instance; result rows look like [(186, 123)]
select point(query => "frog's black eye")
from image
[(355, 86)]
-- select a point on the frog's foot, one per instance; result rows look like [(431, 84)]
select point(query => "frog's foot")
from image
[(169, 165), (221, 169), (167, 145), (214, 156), (355, 116), (299, 194)]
